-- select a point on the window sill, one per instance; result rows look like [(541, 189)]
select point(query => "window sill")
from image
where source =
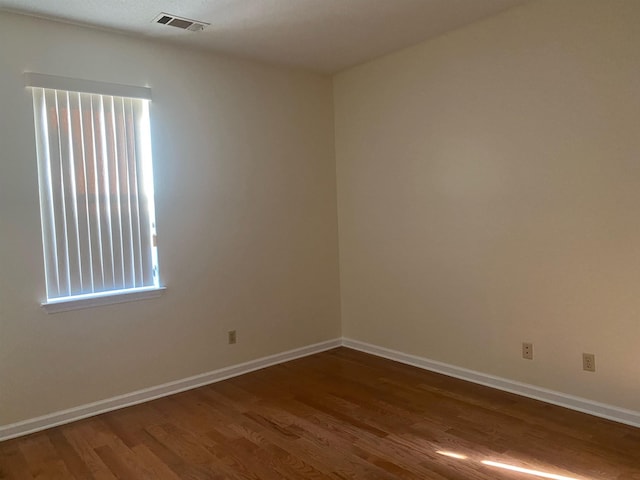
[(79, 302)]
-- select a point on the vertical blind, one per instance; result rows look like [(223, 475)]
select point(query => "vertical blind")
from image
[(96, 192)]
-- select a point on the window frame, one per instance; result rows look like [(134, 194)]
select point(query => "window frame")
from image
[(120, 293)]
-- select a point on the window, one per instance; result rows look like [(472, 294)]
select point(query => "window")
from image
[(96, 191)]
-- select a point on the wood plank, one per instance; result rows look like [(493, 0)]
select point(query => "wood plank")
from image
[(13, 465)]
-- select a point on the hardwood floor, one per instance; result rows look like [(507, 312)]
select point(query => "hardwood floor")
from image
[(341, 414)]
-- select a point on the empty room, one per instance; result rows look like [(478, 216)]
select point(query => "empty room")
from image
[(324, 239)]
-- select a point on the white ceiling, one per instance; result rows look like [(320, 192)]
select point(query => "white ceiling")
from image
[(321, 35)]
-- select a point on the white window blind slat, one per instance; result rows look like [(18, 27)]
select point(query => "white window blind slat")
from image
[(94, 189), (59, 206), (46, 196), (145, 200), (105, 212), (131, 267), (114, 187), (135, 195), (84, 223), (71, 204), (96, 193), (123, 192)]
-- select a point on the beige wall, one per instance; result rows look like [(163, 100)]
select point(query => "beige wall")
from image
[(489, 194), (246, 213)]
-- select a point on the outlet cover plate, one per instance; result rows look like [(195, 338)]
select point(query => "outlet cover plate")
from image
[(589, 362)]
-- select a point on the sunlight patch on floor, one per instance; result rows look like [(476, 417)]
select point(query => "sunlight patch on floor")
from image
[(504, 466), (528, 471)]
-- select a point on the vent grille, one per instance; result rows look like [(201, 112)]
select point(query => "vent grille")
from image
[(180, 22)]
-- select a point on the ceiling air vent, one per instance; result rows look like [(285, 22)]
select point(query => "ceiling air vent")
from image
[(180, 22)]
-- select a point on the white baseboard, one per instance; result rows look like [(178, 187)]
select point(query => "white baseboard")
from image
[(621, 415), (77, 413), (610, 412)]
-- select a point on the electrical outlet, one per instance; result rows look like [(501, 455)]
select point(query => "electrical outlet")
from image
[(589, 362), (232, 337), (527, 350)]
